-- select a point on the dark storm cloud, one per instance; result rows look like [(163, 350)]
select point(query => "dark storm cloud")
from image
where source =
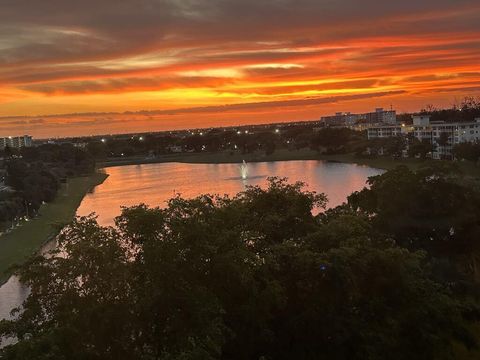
[(73, 30)]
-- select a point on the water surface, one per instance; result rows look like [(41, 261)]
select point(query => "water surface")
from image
[(154, 184)]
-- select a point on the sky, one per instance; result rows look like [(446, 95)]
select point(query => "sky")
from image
[(93, 67)]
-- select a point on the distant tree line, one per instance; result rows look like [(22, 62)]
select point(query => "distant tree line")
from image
[(466, 110), (260, 141)]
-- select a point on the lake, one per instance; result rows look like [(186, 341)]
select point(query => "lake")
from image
[(154, 184)]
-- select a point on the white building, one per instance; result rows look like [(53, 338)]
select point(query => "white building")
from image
[(378, 116), (385, 131), (442, 135), (15, 142)]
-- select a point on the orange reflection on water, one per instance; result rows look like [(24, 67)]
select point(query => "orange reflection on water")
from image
[(154, 184)]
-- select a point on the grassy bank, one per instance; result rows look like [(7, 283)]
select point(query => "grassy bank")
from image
[(216, 158), (26, 239)]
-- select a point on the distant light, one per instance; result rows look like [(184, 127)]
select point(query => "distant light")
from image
[(201, 134), (141, 138), (246, 131), (239, 132), (122, 154), (236, 147), (104, 140), (277, 130)]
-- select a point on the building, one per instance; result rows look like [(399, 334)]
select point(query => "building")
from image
[(442, 135), (379, 116), (385, 131), (15, 142)]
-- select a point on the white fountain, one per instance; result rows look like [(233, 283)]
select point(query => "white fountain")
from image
[(244, 170)]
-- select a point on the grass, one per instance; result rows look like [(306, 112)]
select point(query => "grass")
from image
[(26, 239), (216, 158)]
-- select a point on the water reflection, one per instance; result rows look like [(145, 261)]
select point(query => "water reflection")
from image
[(13, 293), (154, 184)]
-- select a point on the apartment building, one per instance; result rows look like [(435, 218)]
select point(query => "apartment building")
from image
[(15, 142), (385, 131), (348, 119), (442, 135)]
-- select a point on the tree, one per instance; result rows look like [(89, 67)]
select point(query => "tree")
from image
[(467, 151), (420, 148), (333, 139), (444, 139), (424, 210)]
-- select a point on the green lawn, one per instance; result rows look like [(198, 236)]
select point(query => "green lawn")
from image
[(26, 239)]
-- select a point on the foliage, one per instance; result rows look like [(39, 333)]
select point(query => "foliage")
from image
[(419, 148), (467, 110), (35, 176), (423, 210), (391, 146), (467, 151), (334, 140)]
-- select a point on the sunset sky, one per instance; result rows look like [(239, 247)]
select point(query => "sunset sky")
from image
[(108, 66)]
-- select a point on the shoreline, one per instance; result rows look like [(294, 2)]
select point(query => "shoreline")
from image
[(279, 155), (26, 240)]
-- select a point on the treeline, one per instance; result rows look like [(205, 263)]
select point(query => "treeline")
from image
[(33, 176), (394, 147), (391, 274), (266, 141), (467, 110)]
